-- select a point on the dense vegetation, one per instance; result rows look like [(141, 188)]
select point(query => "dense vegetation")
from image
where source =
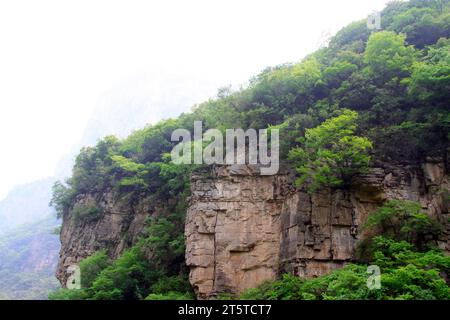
[(331, 153), (368, 96)]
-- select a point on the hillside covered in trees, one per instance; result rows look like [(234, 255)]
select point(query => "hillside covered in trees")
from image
[(370, 96), (28, 258)]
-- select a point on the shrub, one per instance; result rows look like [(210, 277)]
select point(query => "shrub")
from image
[(127, 278), (89, 210), (346, 283), (92, 266), (169, 296), (68, 294), (404, 220), (172, 284)]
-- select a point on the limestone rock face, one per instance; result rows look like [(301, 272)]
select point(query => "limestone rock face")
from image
[(115, 229), (243, 228), (233, 229)]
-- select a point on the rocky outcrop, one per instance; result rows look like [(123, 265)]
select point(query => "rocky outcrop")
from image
[(243, 228), (233, 229), (115, 228)]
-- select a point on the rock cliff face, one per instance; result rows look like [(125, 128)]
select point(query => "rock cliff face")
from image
[(115, 229), (243, 228)]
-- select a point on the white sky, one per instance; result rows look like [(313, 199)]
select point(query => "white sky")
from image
[(57, 58)]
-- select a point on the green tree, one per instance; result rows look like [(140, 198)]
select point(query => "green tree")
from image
[(430, 80), (331, 153), (61, 198), (68, 294), (387, 56), (128, 278), (92, 266)]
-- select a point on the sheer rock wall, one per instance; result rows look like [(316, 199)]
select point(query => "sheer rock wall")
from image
[(243, 228)]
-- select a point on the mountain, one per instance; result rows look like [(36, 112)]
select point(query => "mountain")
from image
[(364, 182), (28, 258), (25, 210), (26, 203)]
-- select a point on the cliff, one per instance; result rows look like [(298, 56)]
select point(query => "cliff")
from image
[(243, 228), (368, 97), (115, 229)]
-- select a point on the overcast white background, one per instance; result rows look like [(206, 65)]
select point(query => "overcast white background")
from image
[(58, 58)]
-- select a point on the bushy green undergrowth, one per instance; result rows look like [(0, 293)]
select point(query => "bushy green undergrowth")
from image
[(143, 272), (405, 274)]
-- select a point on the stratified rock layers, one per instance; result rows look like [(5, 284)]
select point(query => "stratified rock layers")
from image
[(243, 228)]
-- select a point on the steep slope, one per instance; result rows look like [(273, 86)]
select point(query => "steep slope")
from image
[(116, 230), (26, 204), (28, 259), (28, 247), (119, 112), (384, 89)]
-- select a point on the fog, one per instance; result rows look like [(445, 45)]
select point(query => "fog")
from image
[(63, 63)]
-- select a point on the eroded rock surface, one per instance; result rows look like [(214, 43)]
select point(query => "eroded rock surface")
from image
[(243, 228), (115, 229)]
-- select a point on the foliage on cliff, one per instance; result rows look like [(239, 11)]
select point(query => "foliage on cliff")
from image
[(147, 270), (402, 246), (390, 88), (331, 152)]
